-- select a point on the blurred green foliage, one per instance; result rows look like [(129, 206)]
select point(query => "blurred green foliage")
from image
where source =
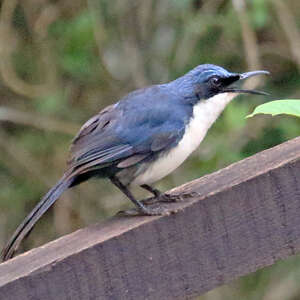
[(75, 46), (65, 60)]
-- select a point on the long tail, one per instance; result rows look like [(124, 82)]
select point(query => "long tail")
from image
[(26, 226)]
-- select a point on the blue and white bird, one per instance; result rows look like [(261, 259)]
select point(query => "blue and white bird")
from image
[(143, 137)]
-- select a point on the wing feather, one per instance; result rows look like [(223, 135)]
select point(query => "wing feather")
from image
[(128, 132), (132, 160), (103, 161)]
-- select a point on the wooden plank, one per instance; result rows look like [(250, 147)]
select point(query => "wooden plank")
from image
[(231, 223)]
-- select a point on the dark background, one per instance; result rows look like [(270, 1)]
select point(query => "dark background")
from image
[(63, 61)]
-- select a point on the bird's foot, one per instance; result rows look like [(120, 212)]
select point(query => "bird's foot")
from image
[(170, 198), (163, 198), (147, 211), (152, 206)]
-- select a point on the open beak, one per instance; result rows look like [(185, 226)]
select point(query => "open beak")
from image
[(245, 76)]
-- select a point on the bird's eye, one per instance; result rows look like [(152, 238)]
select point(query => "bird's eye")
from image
[(215, 81)]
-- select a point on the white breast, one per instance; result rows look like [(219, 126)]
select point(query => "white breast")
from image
[(204, 115)]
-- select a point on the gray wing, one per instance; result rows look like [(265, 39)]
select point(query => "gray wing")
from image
[(95, 143), (120, 136)]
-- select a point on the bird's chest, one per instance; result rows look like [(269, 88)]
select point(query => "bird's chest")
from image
[(204, 114)]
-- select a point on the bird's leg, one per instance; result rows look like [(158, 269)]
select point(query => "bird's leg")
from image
[(142, 209), (126, 191), (156, 193), (158, 196)]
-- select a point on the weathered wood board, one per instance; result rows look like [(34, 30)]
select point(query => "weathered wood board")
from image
[(232, 222)]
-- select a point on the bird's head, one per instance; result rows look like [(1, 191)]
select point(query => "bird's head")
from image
[(208, 80)]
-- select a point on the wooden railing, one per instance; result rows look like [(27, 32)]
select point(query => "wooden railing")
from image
[(231, 223)]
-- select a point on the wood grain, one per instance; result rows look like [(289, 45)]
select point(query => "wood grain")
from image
[(232, 222)]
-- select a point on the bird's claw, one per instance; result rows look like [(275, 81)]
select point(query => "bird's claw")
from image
[(163, 198), (146, 211), (158, 210), (170, 198)]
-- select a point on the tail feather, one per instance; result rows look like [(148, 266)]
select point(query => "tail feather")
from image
[(26, 226)]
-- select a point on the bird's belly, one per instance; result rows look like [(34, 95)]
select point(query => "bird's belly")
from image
[(164, 165), (204, 115)]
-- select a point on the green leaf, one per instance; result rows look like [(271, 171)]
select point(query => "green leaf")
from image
[(278, 107)]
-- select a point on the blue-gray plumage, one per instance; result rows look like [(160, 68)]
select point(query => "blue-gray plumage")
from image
[(143, 137)]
